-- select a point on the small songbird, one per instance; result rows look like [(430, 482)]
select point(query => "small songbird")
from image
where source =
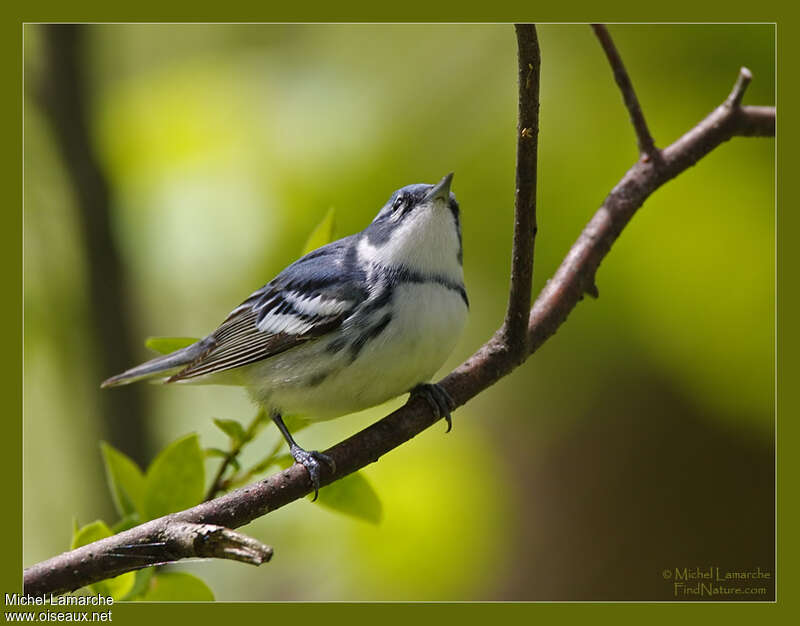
[(348, 326)]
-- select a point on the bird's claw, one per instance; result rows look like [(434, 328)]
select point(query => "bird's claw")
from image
[(311, 461), (438, 399)]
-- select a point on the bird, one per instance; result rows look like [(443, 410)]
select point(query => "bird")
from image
[(348, 326)]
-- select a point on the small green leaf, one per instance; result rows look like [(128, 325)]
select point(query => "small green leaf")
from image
[(125, 480), (165, 345), (94, 531), (115, 587), (175, 479), (233, 429), (171, 586), (353, 495), (140, 584), (129, 521), (322, 234)]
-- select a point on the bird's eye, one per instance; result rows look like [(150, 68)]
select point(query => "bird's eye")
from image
[(398, 202)]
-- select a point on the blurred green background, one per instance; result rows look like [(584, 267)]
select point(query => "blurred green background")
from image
[(639, 438)]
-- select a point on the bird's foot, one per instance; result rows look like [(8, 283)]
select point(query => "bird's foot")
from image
[(311, 461), (438, 399)]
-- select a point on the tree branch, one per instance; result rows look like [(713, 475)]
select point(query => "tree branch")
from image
[(157, 542), (576, 273), (495, 359), (647, 146), (514, 329)]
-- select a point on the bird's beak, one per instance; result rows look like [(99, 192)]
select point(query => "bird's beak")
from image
[(441, 191)]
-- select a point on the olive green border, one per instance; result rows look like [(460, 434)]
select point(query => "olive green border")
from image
[(787, 263), (11, 309)]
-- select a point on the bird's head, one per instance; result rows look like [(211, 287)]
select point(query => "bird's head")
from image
[(417, 228)]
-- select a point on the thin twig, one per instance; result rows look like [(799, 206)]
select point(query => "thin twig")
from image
[(735, 98), (519, 298), (645, 139), (491, 362), (218, 484), (565, 289), (272, 458)]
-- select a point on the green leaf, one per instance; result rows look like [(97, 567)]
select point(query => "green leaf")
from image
[(140, 584), (353, 495), (175, 479), (93, 531), (125, 480), (170, 586), (322, 234), (233, 429), (115, 587), (165, 345), (129, 521)]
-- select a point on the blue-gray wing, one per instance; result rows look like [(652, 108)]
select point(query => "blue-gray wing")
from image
[(309, 299)]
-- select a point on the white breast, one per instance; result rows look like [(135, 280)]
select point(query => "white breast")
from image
[(427, 320)]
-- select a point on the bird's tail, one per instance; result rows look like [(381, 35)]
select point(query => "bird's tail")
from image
[(159, 367)]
